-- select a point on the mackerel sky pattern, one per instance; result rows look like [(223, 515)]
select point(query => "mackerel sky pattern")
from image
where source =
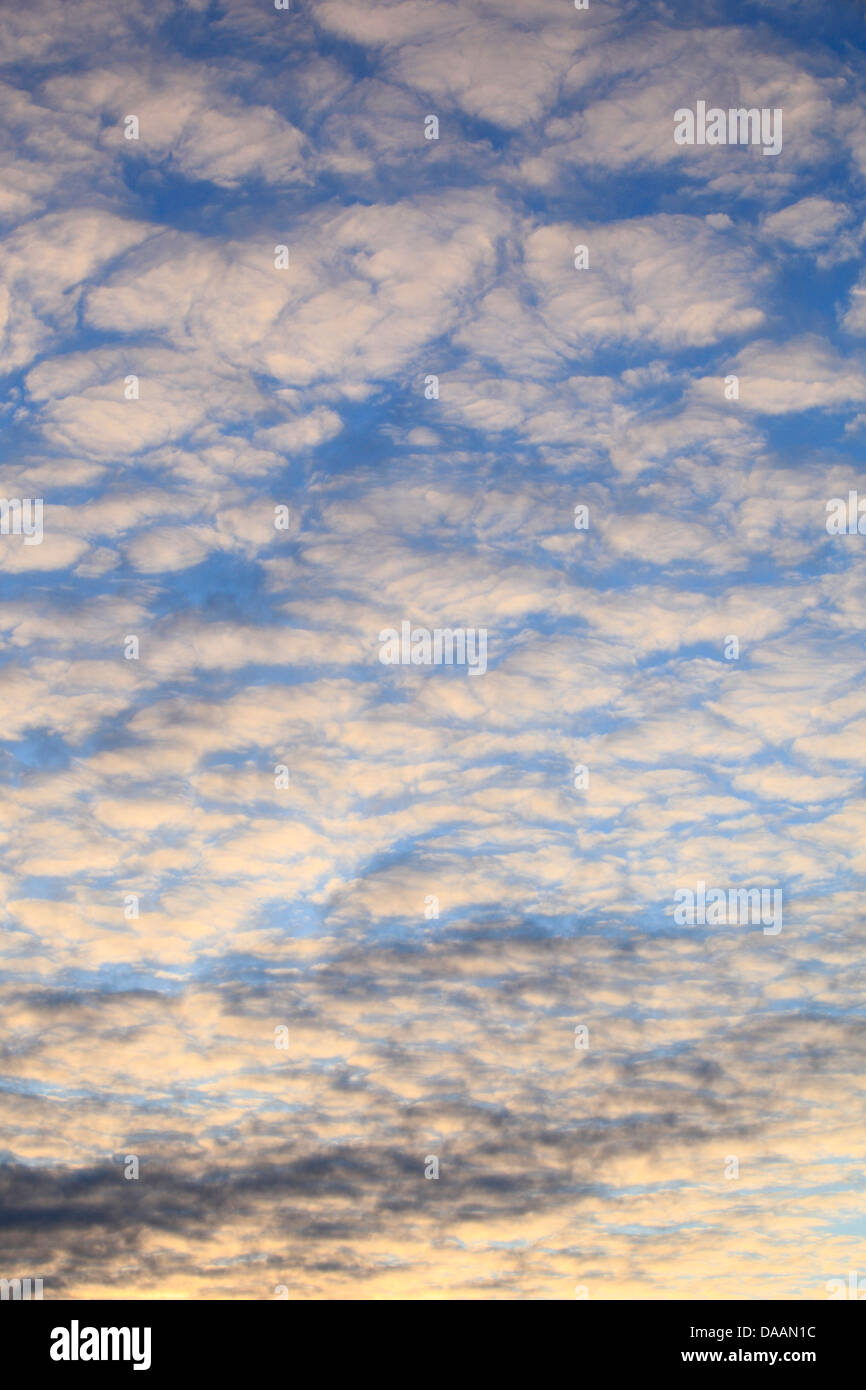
[(284, 994)]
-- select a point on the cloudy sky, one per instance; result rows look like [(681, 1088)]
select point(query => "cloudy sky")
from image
[(708, 1141)]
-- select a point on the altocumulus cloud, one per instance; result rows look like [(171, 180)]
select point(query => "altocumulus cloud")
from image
[(289, 362)]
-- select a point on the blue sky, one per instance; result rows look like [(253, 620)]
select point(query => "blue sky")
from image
[(308, 906)]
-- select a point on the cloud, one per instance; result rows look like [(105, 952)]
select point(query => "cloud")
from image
[(806, 373), (429, 880)]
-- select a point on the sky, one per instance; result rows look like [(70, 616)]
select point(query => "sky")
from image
[(328, 978)]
